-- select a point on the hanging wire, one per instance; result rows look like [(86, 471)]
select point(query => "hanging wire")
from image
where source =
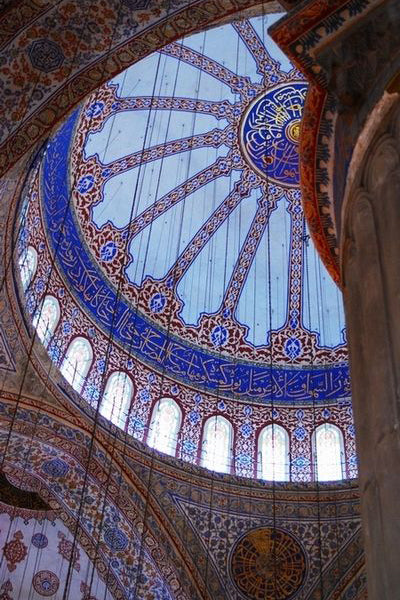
[(105, 488), (111, 459), (141, 552), (192, 299), (74, 539), (102, 387), (314, 417), (30, 349), (270, 328), (140, 563), (214, 418)]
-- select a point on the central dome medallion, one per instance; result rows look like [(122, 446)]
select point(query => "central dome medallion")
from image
[(270, 133)]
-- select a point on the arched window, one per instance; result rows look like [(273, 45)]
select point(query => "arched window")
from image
[(77, 362), (46, 319), (164, 426), (328, 453), (117, 398), (273, 453), (27, 266), (217, 444)]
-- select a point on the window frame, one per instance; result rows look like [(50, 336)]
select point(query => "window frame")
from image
[(260, 441), (38, 315), (173, 445), (204, 441), (314, 452), (25, 285), (122, 418), (83, 375)]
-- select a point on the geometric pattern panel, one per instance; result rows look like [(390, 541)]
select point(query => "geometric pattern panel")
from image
[(252, 551), (268, 564)]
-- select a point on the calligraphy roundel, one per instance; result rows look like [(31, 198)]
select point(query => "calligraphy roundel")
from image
[(268, 564), (270, 133)]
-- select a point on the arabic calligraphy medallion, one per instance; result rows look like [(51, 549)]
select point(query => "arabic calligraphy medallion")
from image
[(268, 564), (270, 133)]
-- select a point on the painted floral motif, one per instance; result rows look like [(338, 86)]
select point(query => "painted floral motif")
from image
[(39, 540), (69, 551), (46, 55), (15, 551), (108, 251), (86, 592), (115, 539), (5, 590), (45, 583), (268, 564), (55, 467)]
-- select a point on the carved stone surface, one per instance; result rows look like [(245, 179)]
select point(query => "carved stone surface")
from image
[(371, 292)]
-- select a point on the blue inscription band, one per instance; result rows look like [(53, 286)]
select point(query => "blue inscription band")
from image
[(247, 381)]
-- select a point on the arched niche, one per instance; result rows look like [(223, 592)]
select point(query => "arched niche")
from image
[(27, 263), (46, 319)]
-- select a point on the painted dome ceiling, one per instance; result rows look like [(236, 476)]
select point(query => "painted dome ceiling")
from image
[(168, 211), (179, 185)]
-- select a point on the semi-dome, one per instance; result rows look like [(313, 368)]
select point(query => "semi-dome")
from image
[(168, 270)]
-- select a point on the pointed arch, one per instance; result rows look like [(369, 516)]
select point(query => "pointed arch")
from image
[(273, 453), (77, 361), (46, 319), (216, 450), (164, 426), (117, 398), (27, 263), (328, 453)]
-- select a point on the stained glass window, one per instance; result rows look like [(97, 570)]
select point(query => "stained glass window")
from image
[(328, 453), (217, 444), (164, 426), (27, 265), (77, 362), (46, 319), (117, 398), (273, 453)]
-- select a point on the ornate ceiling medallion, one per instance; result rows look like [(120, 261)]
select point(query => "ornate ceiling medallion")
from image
[(270, 133), (268, 564)]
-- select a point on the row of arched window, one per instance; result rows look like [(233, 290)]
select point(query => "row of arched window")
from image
[(273, 460), (273, 456)]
